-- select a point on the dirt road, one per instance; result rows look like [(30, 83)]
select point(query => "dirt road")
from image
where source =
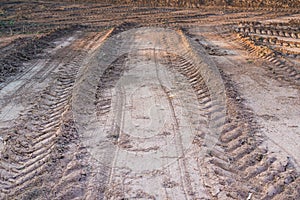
[(145, 116), (150, 104)]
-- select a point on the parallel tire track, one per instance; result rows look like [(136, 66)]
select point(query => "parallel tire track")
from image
[(42, 137), (255, 165), (280, 67), (238, 158)]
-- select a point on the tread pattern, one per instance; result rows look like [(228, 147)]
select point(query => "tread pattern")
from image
[(44, 143)]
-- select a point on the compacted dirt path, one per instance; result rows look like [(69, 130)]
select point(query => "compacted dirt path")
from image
[(147, 110), (167, 104)]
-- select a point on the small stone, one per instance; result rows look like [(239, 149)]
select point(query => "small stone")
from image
[(271, 191)]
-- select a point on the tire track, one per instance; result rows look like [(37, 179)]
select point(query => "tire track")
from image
[(264, 174), (239, 157), (33, 145), (218, 162), (254, 37), (281, 68), (190, 188), (106, 146), (230, 164), (254, 164)]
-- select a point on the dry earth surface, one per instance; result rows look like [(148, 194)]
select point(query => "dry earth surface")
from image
[(102, 101)]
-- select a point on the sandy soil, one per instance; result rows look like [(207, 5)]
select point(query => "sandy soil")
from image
[(121, 102)]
